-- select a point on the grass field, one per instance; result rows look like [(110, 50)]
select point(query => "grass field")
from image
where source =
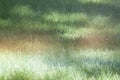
[(59, 40), (84, 64)]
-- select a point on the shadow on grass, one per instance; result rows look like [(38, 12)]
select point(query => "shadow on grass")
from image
[(89, 66)]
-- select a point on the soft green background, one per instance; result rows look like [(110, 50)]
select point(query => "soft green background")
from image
[(69, 21)]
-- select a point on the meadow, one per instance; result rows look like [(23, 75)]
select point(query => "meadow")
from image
[(85, 64), (59, 40)]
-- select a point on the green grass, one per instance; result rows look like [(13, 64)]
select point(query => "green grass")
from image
[(67, 20), (57, 16), (68, 24), (85, 64)]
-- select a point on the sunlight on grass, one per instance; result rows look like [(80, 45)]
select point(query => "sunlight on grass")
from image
[(22, 11), (4, 23), (59, 39), (74, 33), (104, 54), (10, 62), (95, 1), (84, 64), (65, 17)]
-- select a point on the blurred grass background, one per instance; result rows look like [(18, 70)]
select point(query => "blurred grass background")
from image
[(58, 30), (67, 20)]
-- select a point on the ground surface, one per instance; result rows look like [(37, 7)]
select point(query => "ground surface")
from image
[(59, 40)]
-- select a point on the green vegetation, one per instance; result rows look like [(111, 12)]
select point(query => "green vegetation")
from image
[(59, 40), (58, 15), (84, 64), (69, 19)]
